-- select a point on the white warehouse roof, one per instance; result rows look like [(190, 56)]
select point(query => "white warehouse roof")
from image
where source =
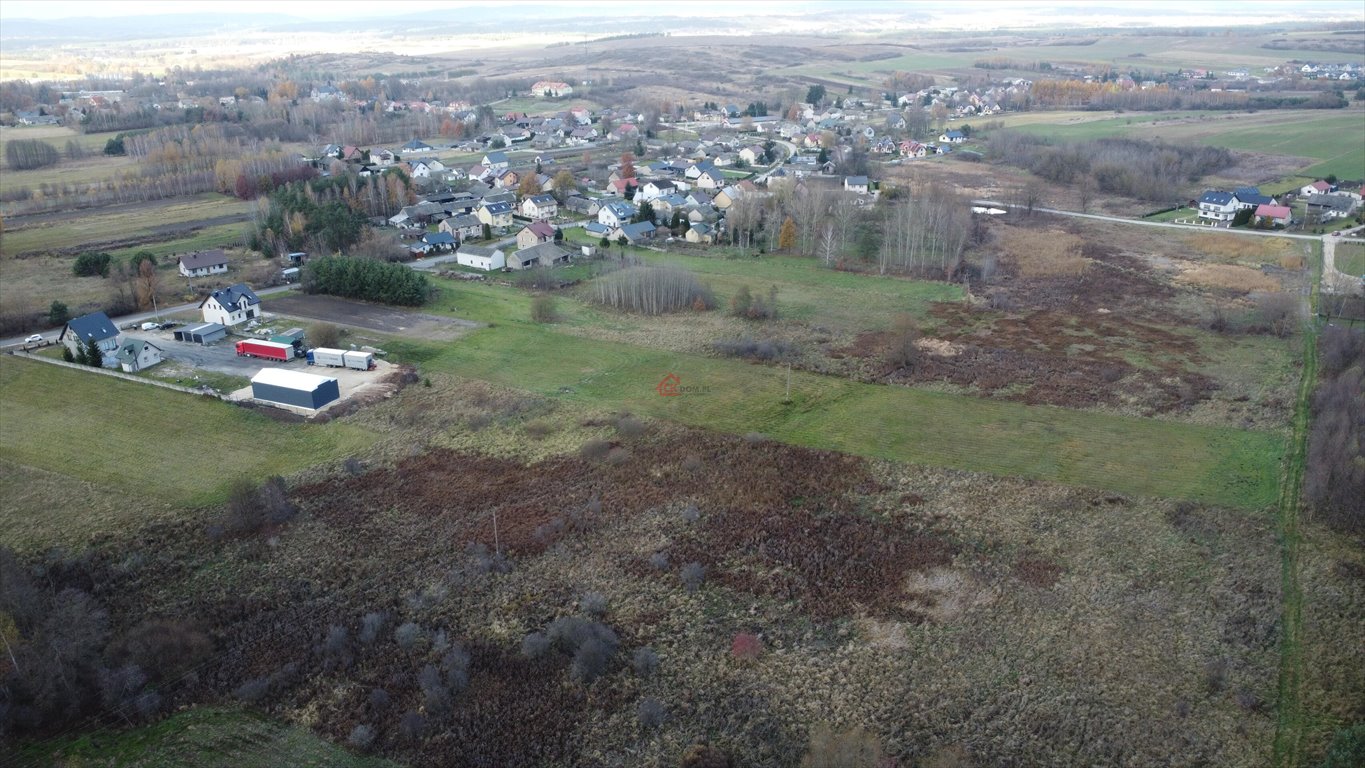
[(279, 377)]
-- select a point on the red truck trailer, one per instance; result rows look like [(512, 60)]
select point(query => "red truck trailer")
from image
[(270, 350)]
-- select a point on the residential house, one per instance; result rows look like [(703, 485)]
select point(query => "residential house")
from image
[(1217, 205), (700, 233), (858, 184), (478, 257), (620, 187), (751, 154), (635, 233), (462, 227), (1251, 197), (551, 89), (135, 355), (384, 158), (913, 149), (584, 205), (495, 215), (416, 146), (538, 255), (655, 189), (496, 162), (1318, 187), (952, 137), (727, 197), (231, 305), (536, 232), (710, 179), (885, 146), (204, 263), (1337, 205), (540, 207), (1275, 214), (616, 213), (434, 242), (507, 180), (596, 229), (97, 327)]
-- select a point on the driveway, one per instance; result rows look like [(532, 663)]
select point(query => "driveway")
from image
[(220, 357)]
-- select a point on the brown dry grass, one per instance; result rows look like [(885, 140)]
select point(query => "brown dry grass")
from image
[(1230, 277), (1044, 252), (1234, 248)]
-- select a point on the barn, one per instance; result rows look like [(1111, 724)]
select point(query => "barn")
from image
[(293, 388), (203, 333)]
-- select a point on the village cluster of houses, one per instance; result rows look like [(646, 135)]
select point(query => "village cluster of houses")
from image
[(1321, 200)]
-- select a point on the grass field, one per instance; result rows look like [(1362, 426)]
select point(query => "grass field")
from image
[(1350, 258), (1335, 138), (90, 169), (163, 448), (55, 135), (202, 737), (103, 226), (1138, 456)]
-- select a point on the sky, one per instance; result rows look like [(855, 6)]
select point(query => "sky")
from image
[(1160, 12)]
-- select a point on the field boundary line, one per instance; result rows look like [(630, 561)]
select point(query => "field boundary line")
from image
[(116, 374)]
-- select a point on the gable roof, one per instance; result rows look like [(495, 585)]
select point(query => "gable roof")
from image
[(1253, 198), (203, 259), (482, 252), (621, 209), (856, 181), (95, 325), (542, 199), (131, 349), (232, 295), (438, 238), (541, 228), (496, 157), (538, 252), (1217, 197), (638, 229), (498, 208), (1273, 211)]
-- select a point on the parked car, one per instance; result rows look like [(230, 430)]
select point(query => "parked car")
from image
[(36, 338)]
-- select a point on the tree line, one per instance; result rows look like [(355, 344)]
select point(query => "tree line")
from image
[(1131, 167), (325, 215), (366, 279)]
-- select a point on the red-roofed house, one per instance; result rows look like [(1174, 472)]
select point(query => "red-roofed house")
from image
[(620, 186), (535, 233), (1318, 187), (1277, 214)]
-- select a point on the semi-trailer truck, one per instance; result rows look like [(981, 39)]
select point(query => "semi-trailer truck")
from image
[(269, 350), (332, 358), (360, 361)]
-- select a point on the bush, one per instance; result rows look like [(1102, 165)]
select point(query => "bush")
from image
[(1277, 311), (644, 661), (704, 756), (658, 561), (628, 426), (650, 712), (543, 309), (324, 335), (251, 508), (409, 635), (1334, 481), (900, 350), (535, 645), (692, 575), (595, 450), (362, 736), (746, 647), (90, 264), (366, 279), (653, 290), (748, 348), (411, 726), (746, 305), (58, 313), (370, 626), (594, 604)]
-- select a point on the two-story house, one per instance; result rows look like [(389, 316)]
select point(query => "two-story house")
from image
[(1217, 205), (496, 162), (540, 207), (536, 232), (616, 213), (495, 215), (97, 327), (231, 305)]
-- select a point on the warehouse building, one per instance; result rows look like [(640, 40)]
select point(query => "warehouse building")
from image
[(293, 389), (203, 333)]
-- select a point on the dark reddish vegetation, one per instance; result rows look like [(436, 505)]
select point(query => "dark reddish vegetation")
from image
[(1037, 571)]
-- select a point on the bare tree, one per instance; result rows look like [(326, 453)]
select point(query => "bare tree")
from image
[(146, 284)]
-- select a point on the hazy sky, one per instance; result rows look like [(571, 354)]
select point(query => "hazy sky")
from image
[(1162, 12)]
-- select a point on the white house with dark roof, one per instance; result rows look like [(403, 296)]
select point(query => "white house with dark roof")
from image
[(540, 207), (136, 355), (204, 263), (616, 213), (231, 305), (479, 257), (97, 327), (496, 162), (1217, 205)]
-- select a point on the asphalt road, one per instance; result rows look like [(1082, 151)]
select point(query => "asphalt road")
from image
[(141, 317)]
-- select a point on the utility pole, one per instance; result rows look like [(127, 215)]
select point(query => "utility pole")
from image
[(497, 545)]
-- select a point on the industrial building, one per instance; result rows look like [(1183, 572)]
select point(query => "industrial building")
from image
[(294, 389), (203, 333)]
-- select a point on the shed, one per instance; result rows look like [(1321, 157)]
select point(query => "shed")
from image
[(204, 333), (294, 388)]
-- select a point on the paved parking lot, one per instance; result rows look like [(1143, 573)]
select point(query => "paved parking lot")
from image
[(220, 357)]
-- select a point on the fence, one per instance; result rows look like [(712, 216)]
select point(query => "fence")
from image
[(120, 375)]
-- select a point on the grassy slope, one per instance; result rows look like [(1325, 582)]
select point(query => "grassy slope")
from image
[(160, 447), (203, 737), (1350, 258)]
